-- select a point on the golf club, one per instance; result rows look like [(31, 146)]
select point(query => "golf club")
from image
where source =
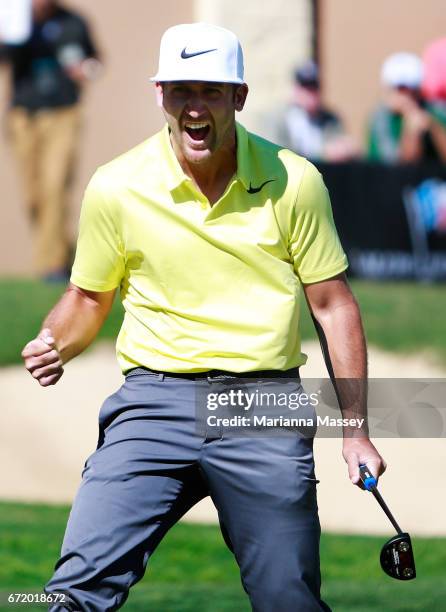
[(397, 554)]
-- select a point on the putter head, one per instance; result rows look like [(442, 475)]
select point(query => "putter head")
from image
[(397, 558)]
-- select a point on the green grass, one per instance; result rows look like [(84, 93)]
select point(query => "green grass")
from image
[(192, 571), (400, 317), (23, 306), (404, 317)]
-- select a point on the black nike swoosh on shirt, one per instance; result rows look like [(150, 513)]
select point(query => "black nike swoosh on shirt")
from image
[(186, 55), (257, 189)]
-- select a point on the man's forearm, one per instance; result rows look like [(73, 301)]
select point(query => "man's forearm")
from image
[(338, 322), (342, 338), (75, 321), (411, 147)]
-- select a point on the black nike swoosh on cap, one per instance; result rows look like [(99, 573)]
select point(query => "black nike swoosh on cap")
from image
[(257, 189), (186, 55)]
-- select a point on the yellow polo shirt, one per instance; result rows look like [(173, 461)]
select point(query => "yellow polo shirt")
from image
[(207, 287)]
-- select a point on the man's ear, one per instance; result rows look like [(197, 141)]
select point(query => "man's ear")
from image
[(240, 93), (159, 93)]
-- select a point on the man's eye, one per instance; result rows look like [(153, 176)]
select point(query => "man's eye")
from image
[(179, 91), (212, 92)]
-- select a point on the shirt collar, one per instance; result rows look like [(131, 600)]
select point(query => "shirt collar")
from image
[(243, 160), (175, 175)]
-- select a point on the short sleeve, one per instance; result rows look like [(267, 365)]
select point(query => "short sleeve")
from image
[(99, 263), (4, 53), (76, 31), (315, 247), (87, 41)]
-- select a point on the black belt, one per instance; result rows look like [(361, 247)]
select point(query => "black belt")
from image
[(293, 373)]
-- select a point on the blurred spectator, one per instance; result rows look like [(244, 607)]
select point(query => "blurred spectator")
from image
[(309, 128), (48, 71), (434, 80), (405, 128)]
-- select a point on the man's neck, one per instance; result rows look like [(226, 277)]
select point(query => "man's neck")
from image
[(211, 176)]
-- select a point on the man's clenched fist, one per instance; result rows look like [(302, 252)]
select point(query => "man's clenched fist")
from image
[(42, 359)]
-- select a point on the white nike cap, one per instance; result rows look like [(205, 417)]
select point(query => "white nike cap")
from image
[(200, 52), (402, 70)]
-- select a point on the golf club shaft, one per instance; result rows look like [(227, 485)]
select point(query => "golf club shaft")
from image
[(384, 506), (369, 482)]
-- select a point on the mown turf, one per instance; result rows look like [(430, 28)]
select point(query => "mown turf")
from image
[(401, 317), (23, 306), (192, 571), (404, 316)]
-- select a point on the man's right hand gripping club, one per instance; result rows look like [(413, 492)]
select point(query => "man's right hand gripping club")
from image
[(42, 359)]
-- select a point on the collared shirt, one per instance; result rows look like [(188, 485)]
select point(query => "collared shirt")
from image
[(207, 287)]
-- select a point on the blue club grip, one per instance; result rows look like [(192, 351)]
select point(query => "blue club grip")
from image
[(368, 480)]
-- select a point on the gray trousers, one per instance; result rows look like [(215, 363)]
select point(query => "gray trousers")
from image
[(151, 466)]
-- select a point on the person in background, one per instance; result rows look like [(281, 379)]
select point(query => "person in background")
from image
[(404, 129), (48, 71), (434, 79), (308, 127)]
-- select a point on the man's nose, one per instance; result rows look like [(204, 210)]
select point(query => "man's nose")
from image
[(195, 105)]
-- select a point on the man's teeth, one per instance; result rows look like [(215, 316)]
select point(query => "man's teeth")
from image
[(196, 126)]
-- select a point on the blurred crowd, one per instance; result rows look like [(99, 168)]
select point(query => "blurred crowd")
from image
[(51, 55), (408, 126)]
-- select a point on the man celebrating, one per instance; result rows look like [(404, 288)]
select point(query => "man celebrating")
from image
[(210, 232)]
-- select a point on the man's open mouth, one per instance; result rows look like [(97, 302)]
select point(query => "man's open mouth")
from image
[(197, 131)]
